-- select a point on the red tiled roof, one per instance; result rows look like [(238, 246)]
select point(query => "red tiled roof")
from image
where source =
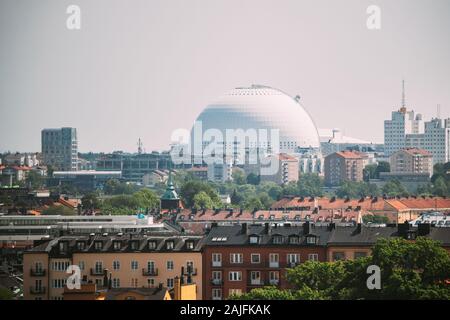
[(349, 155), (368, 204), (417, 151)]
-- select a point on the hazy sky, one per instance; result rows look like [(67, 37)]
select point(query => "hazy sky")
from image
[(144, 68)]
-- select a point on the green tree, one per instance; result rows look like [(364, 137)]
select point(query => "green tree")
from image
[(235, 198), (239, 176), (310, 185), (253, 203), (368, 218), (253, 178), (395, 188), (266, 293), (369, 172), (115, 187), (35, 180), (382, 166), (440, 187), (124, 204), (191, 188), (90, 201), (147, 199), (203, 200)]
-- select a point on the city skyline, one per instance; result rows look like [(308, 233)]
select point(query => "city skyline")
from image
[(150, 69)]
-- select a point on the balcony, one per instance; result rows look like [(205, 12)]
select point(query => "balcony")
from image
[(37, 290), (150, 272), (217, 282), (256, 282), (97, 272), (274, 282), (217, 264), (37, 272), (274, 264), (193, 272), (292, 264)]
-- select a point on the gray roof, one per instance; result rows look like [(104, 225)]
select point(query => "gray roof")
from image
[(234, 235)]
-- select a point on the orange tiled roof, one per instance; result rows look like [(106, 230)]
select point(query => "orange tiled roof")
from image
[(417, 151), (368, 204), (349, 155)]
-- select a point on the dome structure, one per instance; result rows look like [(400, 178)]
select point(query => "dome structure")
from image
[(262, 107)]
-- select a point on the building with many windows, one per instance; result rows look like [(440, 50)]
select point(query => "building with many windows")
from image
[(435, 139), (60, 148), (412, 161), (343, 166), (127, 261), (239, 258)]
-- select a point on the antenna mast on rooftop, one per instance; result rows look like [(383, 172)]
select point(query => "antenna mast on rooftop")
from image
[(140, 145), (438, 111), (403, 94)]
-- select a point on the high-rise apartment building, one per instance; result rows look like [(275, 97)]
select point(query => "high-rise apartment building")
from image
[(60, 148), (435, 139), (402, 122)]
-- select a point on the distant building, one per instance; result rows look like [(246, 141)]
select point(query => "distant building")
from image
[(435, 139), (84, 179), (155, 177), (21, 159), (288, 169), (310, 162), (13, 174), (60, 148), (402, 122), (221, 172), (199, 172), (343, 166), (135, 166), (411, 160), (333, 140)]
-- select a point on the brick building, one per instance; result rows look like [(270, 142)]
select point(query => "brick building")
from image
[(343, 166)]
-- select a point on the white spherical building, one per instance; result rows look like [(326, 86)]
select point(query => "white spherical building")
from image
[(262, 107)]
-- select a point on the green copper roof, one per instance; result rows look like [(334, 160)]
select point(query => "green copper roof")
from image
[(170, 193)]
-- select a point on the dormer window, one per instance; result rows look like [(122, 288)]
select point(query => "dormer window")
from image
[(81, 245), (190, 245), (294, 240), (134, 245), (152, 245), (116, 245), (98, 245), (311, 240), (411, 235), (169, 245), (277, 239), (272, 217), (254, 239), (63, 247)]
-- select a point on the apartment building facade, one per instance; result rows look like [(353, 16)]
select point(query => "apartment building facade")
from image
[(60, 148), (239, 258), (412, 161), (127, 262), (343, 166), (402, 122)]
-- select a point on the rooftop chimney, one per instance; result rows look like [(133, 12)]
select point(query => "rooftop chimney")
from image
[(244, 228), (306, 228), (423, 229), (267, 228)]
